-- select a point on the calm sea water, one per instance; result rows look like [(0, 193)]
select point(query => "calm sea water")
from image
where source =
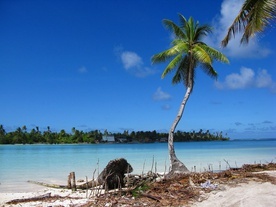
[(53, 163)]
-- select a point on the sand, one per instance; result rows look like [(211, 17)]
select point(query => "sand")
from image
[(249, 194), (76, 198), (244, 195)]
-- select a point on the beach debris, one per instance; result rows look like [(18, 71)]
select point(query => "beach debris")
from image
[(182, 190), (209, 185), (57, 199), (47, 184), (37, 198), (112, 176), (72, 181)]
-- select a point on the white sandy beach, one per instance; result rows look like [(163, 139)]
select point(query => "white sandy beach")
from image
[(250, 194), (76, 198), (245, 195)]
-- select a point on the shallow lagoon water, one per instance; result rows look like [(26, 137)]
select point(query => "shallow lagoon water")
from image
[(53, 163)]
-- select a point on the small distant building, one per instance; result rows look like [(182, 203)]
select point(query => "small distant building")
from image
[(108, 138)]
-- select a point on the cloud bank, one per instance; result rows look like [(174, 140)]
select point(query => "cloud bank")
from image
[(247, 78)]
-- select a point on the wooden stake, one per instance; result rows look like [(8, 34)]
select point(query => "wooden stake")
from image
[(74, 187), (69, 182)]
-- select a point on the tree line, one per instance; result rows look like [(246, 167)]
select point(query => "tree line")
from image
[(22, 136)]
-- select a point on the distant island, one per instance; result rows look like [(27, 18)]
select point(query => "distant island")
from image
[(22, 136)]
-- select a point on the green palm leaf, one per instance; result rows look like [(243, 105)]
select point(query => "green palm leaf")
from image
[(172, 65), (254, 17), (174, 28), (201, 54)]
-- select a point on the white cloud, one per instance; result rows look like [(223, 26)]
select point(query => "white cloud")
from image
[(247, 78), (242, 80), (133, 63), (229, 10), (131, 59), (160, 95)]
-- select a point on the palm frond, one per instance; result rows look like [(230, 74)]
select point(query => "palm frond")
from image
[(215, 54), (201, 55), (180, 46), (183, 20), (185, 72), (253, 17), (178, 77), (175, 61), (190, 29), (202, 31), (187, 67), (209, 70), (165, 55), (259, 18), (174, 28)]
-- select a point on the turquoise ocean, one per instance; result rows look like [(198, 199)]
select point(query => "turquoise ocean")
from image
[(53, 163)]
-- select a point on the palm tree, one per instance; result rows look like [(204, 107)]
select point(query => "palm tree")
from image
[(186, 54), (253, 17), (2, 130)]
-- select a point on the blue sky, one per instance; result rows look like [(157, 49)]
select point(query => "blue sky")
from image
[(87, 64)]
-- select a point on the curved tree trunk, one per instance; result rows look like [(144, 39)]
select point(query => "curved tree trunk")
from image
[(175, 164)]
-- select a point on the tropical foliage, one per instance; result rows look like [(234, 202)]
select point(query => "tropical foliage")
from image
[(34, 136), (187, 52), (254, 17)]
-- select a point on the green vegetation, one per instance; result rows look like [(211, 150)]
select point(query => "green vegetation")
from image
[(35, 136)]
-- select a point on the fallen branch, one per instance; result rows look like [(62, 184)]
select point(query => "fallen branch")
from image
[(47, 184), (84, 186), (37, 198)]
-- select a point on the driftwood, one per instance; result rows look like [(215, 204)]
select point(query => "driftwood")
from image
[(47, 184), (83, 186), (72, 181), (88, 185), (37, 198)]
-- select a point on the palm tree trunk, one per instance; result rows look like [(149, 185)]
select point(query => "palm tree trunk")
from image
[(176, 165)]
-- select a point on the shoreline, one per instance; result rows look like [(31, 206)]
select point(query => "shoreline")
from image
[(243, 192)]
